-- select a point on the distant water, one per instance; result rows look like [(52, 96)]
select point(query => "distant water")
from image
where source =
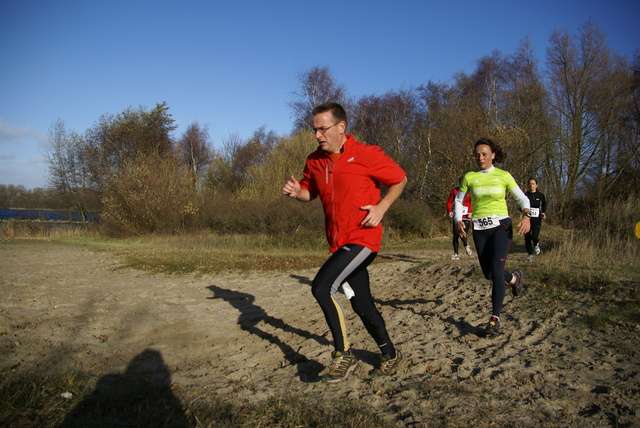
[(45, 215)]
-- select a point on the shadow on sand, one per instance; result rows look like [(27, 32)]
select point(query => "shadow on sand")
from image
[(250, 318), (139, 397)]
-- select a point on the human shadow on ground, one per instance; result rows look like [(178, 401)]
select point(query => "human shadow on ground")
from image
[(139, 397), (302, 279), (465, 328), (412, 305), (401, 258), (251, 315)]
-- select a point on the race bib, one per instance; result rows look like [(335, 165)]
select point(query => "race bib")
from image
[(465, 210), (487, 222), (534, 212)]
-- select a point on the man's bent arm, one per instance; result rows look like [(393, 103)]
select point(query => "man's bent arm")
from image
[(304, 195), (293, 189), (394, 192), (376, 212)]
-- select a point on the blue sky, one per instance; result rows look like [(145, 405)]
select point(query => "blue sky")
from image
[(232, 65)]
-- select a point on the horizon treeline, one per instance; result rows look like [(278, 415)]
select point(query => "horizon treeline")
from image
[(573, 123)]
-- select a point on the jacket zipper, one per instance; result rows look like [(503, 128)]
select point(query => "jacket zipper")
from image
[(329, 173)]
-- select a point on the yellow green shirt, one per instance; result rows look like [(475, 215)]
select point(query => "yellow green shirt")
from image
[(488, 191)]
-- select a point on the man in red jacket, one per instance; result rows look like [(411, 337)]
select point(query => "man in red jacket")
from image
[(346, 175)]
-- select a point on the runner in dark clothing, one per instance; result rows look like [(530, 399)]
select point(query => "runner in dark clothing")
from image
[(537, 214)]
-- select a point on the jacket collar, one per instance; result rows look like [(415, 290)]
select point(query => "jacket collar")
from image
[(346, 147)]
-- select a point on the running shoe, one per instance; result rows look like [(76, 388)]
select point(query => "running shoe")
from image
[(468, 250), (537, 249), (516, 288), (342, 365), (493, 327), (455, 257), (388, 365), (530, 258)]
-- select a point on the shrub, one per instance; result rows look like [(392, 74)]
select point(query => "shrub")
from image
[(413, 218), (224, 213), (151, 194)]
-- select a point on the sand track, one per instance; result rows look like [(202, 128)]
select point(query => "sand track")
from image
[(250, 336)]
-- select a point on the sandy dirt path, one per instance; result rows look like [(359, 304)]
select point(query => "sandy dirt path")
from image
[(251, 336)]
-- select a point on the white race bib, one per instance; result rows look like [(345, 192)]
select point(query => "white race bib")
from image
[(487, 222), (534, 212), (465, 210)]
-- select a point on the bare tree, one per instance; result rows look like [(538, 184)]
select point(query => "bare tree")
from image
[(386, 121), (523, 112), (220, 174), (454, 117), (68, 169), (194, 150), (230, 168), (252, 152), (502, 99), (586, 94), (11, 195), (317, 86), (609, 172)]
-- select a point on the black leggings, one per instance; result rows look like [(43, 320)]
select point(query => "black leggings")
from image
[(493, 246), (532, 237), (456, 235), (349, 264)]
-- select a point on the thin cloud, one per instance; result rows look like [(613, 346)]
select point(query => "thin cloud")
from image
[(11, 132), (37, 160), (25, 174), (7, 155)]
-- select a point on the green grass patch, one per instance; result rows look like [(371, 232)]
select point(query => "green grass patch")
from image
[(598, 283), (207, 252), (35, 399), (575, 277)]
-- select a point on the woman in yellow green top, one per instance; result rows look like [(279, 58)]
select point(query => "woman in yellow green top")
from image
[(492, 231)]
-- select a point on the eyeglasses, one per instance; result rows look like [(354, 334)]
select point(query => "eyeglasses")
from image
[(324, 128)]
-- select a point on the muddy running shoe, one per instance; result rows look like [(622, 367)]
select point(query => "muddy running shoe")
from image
[(468, 250), (388, 365), (493, 327), (342, 365), (516, 288), (530, 258), (537, 248), (455, 257)]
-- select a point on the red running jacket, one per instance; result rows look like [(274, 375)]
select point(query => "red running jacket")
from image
[(466, 202), (353, 181)]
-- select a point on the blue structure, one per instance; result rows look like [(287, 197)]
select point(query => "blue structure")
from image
[(46, 215)]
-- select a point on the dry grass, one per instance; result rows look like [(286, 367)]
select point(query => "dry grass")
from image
[(36, 229), (38, 400), (588, 266), (208, 252)]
